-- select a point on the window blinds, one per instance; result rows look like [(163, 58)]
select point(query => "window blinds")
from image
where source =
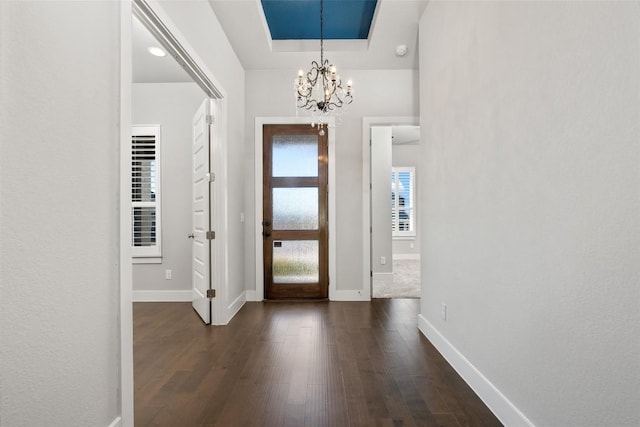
[(145, 197), (402, 201)]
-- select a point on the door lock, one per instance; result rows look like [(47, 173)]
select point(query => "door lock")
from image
[(191, 236)]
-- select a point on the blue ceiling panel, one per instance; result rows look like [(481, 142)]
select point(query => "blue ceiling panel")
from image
[(300, 19)]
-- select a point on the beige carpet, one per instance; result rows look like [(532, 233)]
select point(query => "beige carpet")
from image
[(406, 281)]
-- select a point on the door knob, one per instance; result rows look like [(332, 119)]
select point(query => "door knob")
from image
[(266, 233), (266, 223)]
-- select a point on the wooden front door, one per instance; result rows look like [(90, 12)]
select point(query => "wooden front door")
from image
[(295, 212)]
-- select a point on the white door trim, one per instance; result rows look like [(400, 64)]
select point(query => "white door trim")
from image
[(367, 122), (259, 123), (177, 43)]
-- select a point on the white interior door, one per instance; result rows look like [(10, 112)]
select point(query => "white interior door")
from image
[(201, 194)]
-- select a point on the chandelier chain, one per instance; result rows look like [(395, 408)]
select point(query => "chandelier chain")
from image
[(321, 32)]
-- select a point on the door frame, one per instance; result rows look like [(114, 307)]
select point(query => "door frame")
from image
[(367, 122), (258, 293), (177, 45)]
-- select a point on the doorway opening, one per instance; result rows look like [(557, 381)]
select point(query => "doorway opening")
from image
[(172, 93), (392, 235)]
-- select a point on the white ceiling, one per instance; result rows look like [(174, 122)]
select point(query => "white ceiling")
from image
[(395, 22), (405, 135), (148, 68)]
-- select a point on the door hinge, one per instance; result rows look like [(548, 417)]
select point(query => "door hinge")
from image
[(210, 119), (211, 235), (211, 293), (370, 273), (211, 177)]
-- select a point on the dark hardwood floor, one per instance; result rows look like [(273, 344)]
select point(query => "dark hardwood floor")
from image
[(296, 364)]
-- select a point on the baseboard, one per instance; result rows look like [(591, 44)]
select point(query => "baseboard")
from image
[(406, 256), (161, 296), (349, 296), (497, 402), (116, 423), (235, 306)]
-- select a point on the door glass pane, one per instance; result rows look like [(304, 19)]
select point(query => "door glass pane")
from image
[(295, 155), (295, 261), (295, 208)]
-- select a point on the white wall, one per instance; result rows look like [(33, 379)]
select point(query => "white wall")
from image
[(59, 246), (381, 246), (198, 23), (530, 202), (408, 155), (270, 93), (172, 106)]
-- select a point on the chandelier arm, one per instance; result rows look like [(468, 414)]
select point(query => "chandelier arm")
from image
[(314, 73)]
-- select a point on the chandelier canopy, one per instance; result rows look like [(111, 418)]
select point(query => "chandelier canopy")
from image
[(320, 90)]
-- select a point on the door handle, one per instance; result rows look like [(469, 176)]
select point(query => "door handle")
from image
[(191, 236)]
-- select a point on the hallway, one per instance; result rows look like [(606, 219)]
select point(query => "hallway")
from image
[(296, 364)]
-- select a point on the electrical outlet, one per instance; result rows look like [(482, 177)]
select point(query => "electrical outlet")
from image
[(383, 260), (167, 274), (443, 311)]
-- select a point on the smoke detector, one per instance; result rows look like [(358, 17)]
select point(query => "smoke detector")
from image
[(401, 50)]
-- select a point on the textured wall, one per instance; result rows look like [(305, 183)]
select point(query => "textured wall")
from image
[(531, 128), (172, 106), (269, 94), (59, 209)]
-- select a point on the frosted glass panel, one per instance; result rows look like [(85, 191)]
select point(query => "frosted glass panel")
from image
[(295, 208), (295, 155), (295, 261)]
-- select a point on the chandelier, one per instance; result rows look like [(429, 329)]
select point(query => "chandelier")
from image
[(320, 90)]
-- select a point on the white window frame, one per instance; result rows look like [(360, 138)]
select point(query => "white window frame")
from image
[(149, 254), (396, 233)]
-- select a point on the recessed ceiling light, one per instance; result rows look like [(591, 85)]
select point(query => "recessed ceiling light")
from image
[(156, 51)]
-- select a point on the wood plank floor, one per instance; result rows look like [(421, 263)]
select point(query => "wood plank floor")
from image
[(296, 364)]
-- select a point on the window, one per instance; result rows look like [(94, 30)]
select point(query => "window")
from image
[(145, 192), (403, 201)]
